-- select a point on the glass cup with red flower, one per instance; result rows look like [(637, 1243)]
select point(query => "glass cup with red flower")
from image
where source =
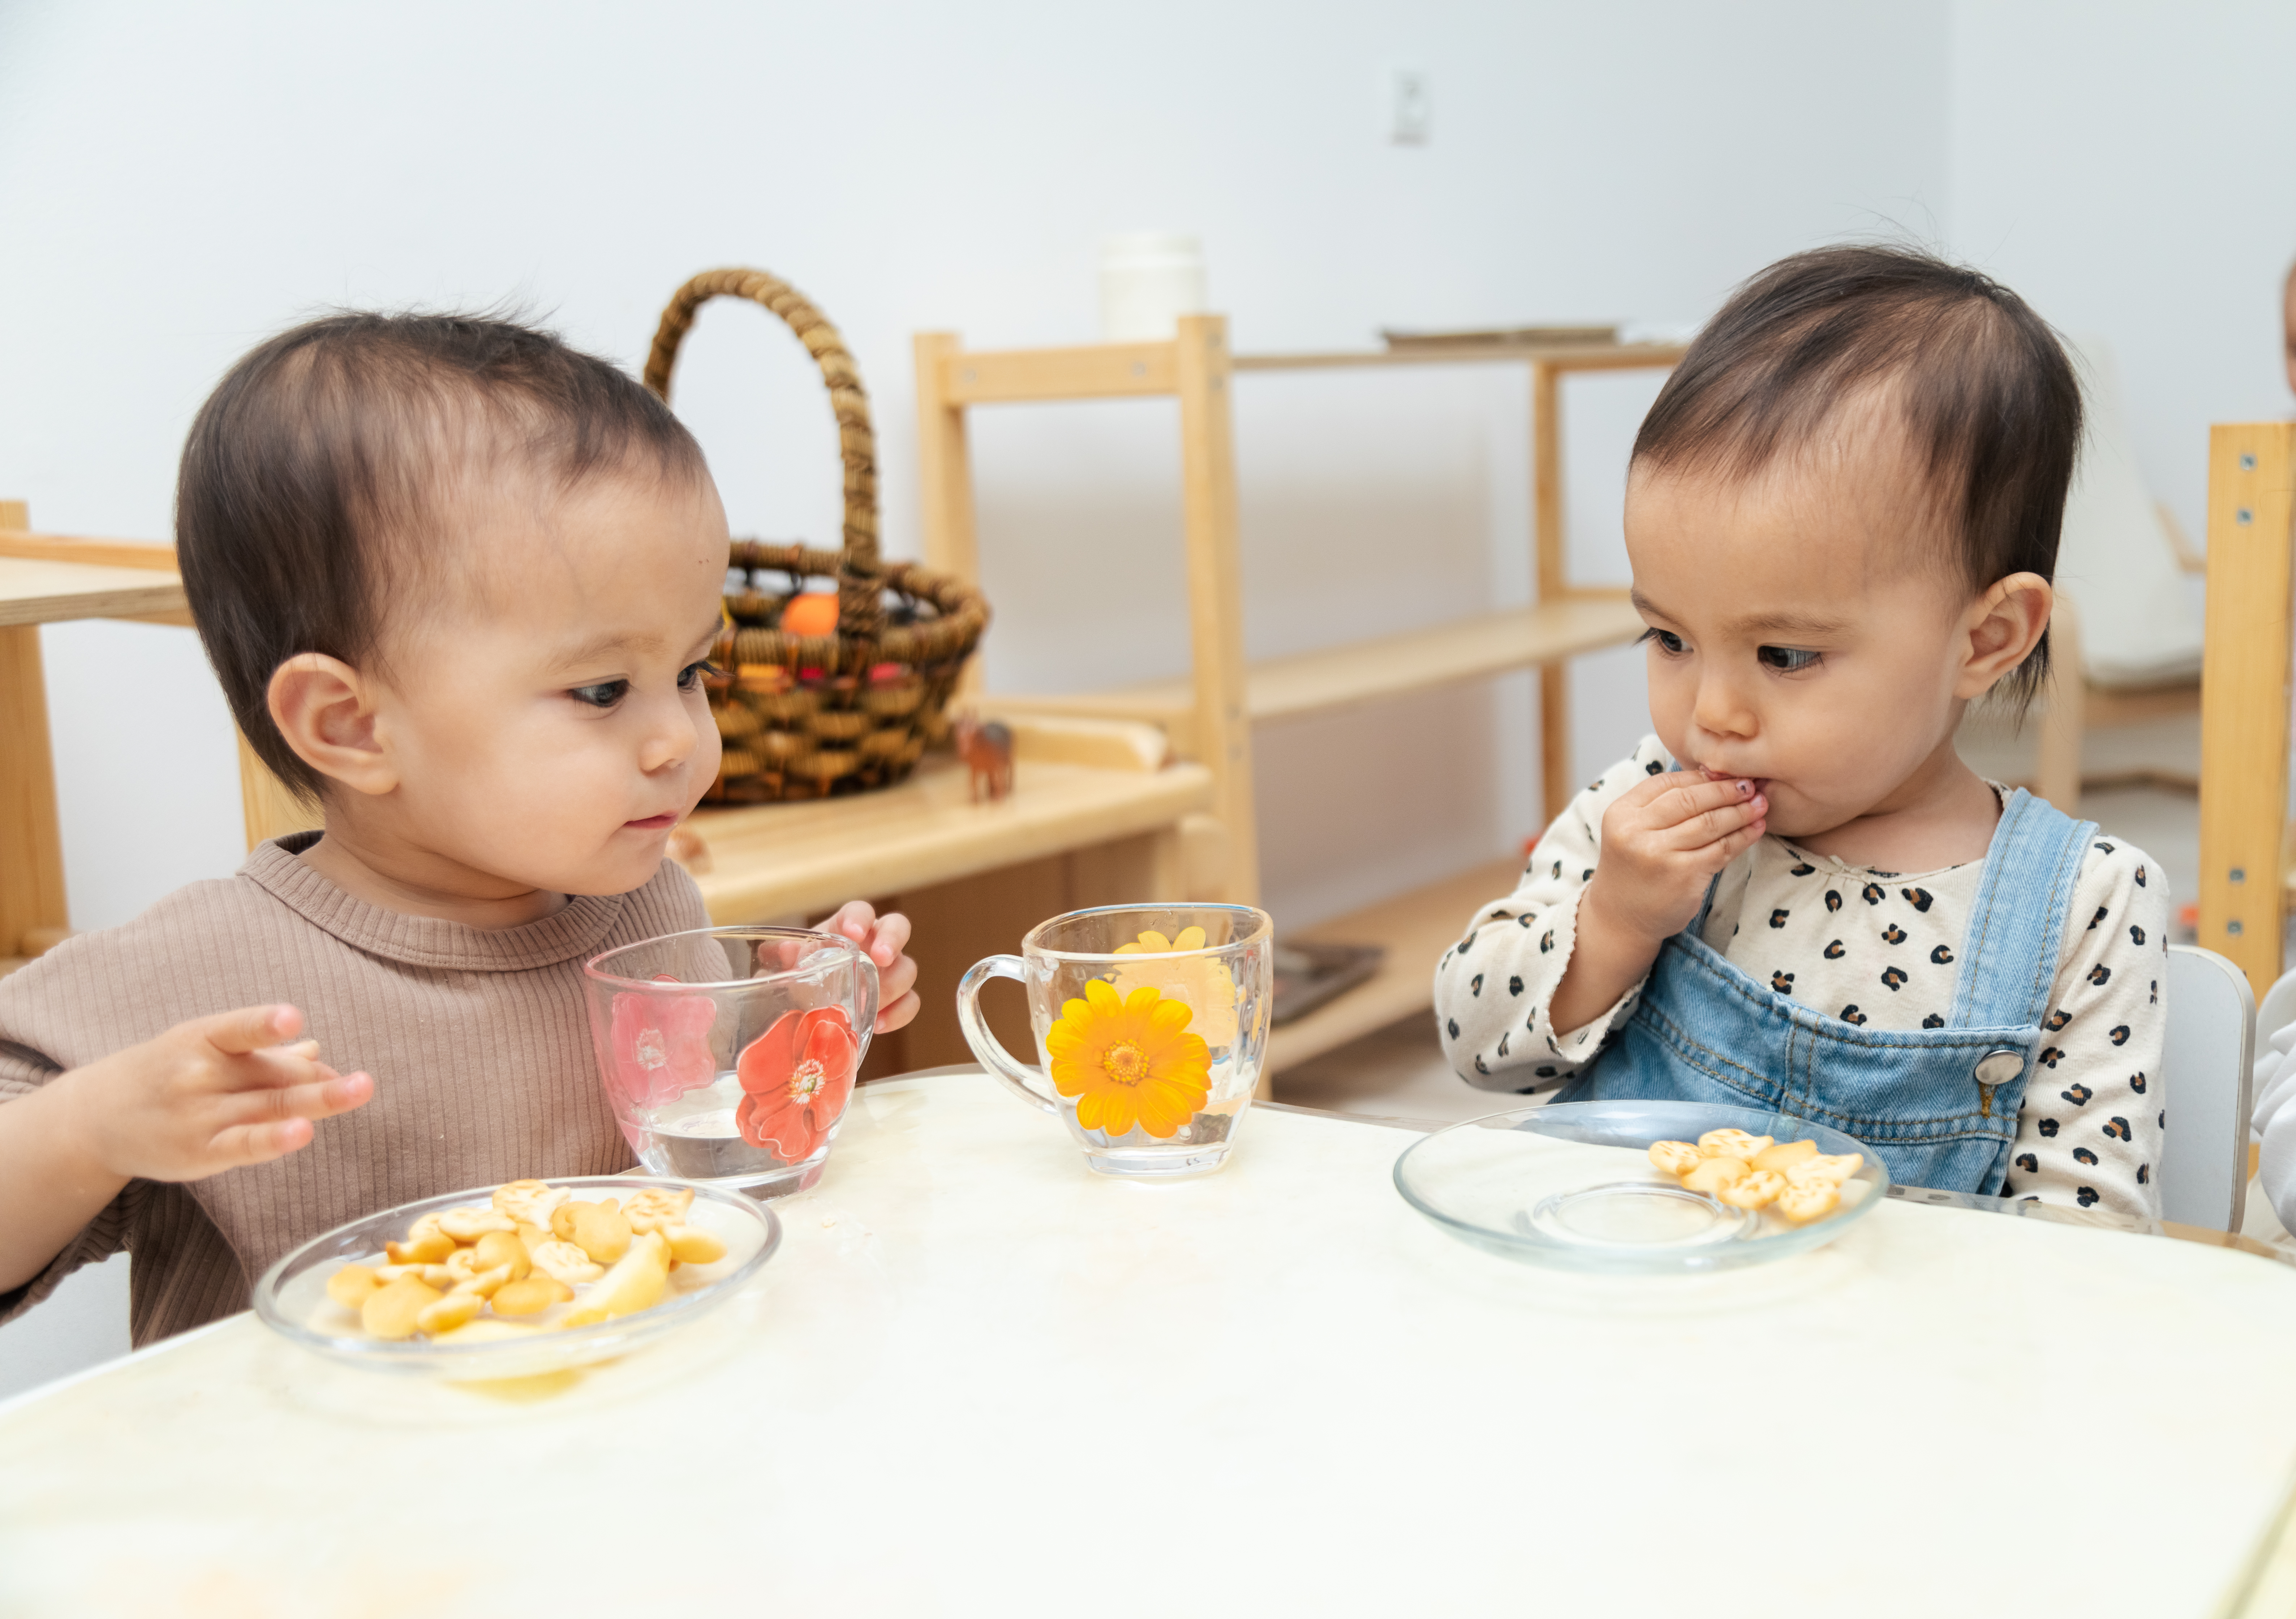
[(1152, 1025), (728, 1053)]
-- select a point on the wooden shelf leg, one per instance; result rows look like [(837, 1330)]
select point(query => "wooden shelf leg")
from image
[(1216, 590), (944, 479), (2244, 689), (1556, 783), (2057, 763), (1556, 780), (31, 843)]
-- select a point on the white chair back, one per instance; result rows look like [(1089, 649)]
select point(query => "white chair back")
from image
[(2206, 1089)]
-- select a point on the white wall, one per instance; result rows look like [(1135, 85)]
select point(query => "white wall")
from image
[(181, 181), (2125, 165)]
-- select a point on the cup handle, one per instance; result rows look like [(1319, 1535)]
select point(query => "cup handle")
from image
[(985, 1046), (865, 1025)]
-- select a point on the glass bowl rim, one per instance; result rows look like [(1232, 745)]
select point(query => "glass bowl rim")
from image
[(1653, 1261), (401, 1355), (1264, 928), (592, 972)]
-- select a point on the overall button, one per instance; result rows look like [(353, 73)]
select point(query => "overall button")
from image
[(1999, 1066)]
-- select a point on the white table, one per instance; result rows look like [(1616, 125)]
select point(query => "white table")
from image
[(978, 1379)]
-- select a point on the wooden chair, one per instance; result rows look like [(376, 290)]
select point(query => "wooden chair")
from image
[(2245, 696)]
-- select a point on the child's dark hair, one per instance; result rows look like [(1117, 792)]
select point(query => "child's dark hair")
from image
[(315, 481), (1985, 393)]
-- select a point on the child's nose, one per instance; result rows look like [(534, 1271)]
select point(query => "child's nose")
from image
[(671, 742), (1721, 712)]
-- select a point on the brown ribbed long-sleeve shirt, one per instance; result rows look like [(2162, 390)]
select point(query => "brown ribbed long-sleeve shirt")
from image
[(478, 1042)]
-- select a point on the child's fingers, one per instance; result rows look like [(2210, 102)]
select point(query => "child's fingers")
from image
[(319, 1099), (854, 919), (275, 1068), (1708, 826), (246, 1029), (896, 980), (1693, 798), (1724, 850), (1651, 788), (890, 939), (242, 1145), (898, 1014)]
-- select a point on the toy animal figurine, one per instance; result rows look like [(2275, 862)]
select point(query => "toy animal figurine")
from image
[(687, 848), (988, 751)]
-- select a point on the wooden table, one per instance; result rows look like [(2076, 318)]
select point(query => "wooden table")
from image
[(978, 1379), (48, 581)]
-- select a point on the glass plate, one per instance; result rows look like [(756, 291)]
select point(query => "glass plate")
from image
[(292, 1299), (1573, 1185)]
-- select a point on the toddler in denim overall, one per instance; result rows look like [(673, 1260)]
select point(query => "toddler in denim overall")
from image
[(1842, 516)]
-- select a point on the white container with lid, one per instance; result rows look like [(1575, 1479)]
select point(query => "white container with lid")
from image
[(1149, 279)]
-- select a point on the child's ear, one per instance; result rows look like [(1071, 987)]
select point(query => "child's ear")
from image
[(325, 709), (2002, 627)]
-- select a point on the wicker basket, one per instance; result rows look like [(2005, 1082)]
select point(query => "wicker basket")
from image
[(806, 716)]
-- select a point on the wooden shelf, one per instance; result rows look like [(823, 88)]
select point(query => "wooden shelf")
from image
[(35, 591), (1569, 357), (782, 859), (1365, 671), (1415, 928)]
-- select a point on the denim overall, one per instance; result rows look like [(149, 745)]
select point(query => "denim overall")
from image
[(1938, 1105)]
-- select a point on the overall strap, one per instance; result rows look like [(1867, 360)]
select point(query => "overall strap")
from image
[(2016, 928)]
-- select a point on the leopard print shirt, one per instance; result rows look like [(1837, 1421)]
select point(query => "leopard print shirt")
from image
[(1868, 946)]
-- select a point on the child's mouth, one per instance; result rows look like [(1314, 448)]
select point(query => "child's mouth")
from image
[(653, 823)]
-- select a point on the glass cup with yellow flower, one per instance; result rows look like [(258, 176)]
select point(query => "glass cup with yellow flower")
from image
[(1151, 1025)]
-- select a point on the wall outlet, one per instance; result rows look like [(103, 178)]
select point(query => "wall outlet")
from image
[(1410, 106)]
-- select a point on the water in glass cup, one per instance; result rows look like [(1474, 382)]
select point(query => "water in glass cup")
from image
[(728, 1054), (1150, 1023)]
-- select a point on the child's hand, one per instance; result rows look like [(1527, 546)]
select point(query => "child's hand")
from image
[(1663, 840), (210, 1095), (885, 939)]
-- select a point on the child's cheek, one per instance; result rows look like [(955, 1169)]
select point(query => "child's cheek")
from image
[(1672, 695), (708, 750)]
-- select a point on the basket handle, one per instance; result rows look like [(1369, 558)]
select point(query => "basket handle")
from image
[(859, 608)]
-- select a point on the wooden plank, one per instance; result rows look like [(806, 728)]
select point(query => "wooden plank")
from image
[(944, 465), (18, 541), (1103, 371), (781, 860), (2245, 687), (39, 591), (1557, 782), (1387, 666), (1597, 357), (1174, 715), (1415, 928), (31, 844), (2064, 722), (1223, 728), (31, 841), (945, 481)]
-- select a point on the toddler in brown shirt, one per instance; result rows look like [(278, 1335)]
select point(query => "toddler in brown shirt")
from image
[(460, 584)]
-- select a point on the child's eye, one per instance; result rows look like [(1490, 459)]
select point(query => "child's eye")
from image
[(690, 677), (1668, 643), (1786, 658), (604, 694)]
